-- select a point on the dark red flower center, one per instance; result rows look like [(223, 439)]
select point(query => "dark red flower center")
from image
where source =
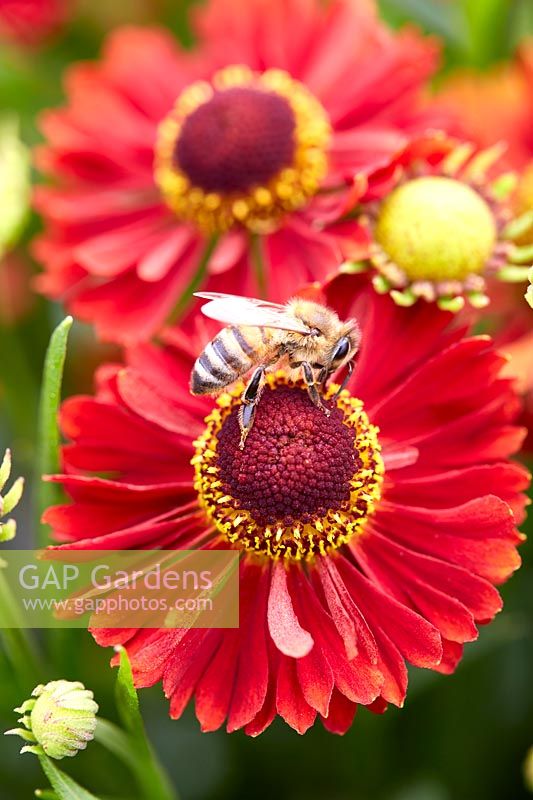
[(243, 149), (297, 462), (240, 138), (303, 485)]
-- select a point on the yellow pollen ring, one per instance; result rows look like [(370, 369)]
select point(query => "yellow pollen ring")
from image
[(297, 541), (260, 208)]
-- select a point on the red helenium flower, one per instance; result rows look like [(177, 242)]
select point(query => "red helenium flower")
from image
[(407, 521), (250, 139), (28, 22)]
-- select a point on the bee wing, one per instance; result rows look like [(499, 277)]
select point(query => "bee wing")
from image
[(231, 309)]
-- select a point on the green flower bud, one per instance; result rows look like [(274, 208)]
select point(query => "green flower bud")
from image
[(9, 500), (59, 719)]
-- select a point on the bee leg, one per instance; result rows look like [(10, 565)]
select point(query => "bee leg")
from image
[(350, 366), (312, 388), (250, 398), (323, 375)]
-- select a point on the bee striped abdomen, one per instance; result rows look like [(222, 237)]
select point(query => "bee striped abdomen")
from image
[(228, 356)]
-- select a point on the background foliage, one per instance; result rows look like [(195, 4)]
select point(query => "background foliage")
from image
[(458, 738)]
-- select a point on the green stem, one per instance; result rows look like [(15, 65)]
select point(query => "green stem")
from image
[(152, 782), (196, 281), (258, 261)]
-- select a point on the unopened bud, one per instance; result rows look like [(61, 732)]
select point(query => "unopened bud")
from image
[(59, 719)]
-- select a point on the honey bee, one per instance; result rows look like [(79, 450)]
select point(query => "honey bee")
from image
[(303, 337)]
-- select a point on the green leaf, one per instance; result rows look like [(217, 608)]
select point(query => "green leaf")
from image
[(8, 530), (48, 447), (432, 15), (486, 20), (48, 794), (152, 779), (63, 785), (127, 700), (12, 498), (5, 469)]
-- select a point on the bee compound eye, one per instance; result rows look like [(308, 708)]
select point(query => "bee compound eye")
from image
[(342, 349)]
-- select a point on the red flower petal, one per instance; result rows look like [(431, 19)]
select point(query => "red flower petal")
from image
[(180, 676), (290, 702), (348, 619), (452, 653), (149, 404), (417, 640), (251, 679), (340, 715), (287, 633), (479, 535), (215, 687), (357, 678)]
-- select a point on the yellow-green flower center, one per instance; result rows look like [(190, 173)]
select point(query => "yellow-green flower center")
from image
[(436, 228)]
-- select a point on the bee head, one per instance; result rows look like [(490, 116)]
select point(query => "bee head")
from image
[(346, 345), (342, 349)]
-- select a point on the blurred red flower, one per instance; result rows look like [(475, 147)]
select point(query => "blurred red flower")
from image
[(251, 138), (496, 105), (393, 557), (16, 297), (28, 22)]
